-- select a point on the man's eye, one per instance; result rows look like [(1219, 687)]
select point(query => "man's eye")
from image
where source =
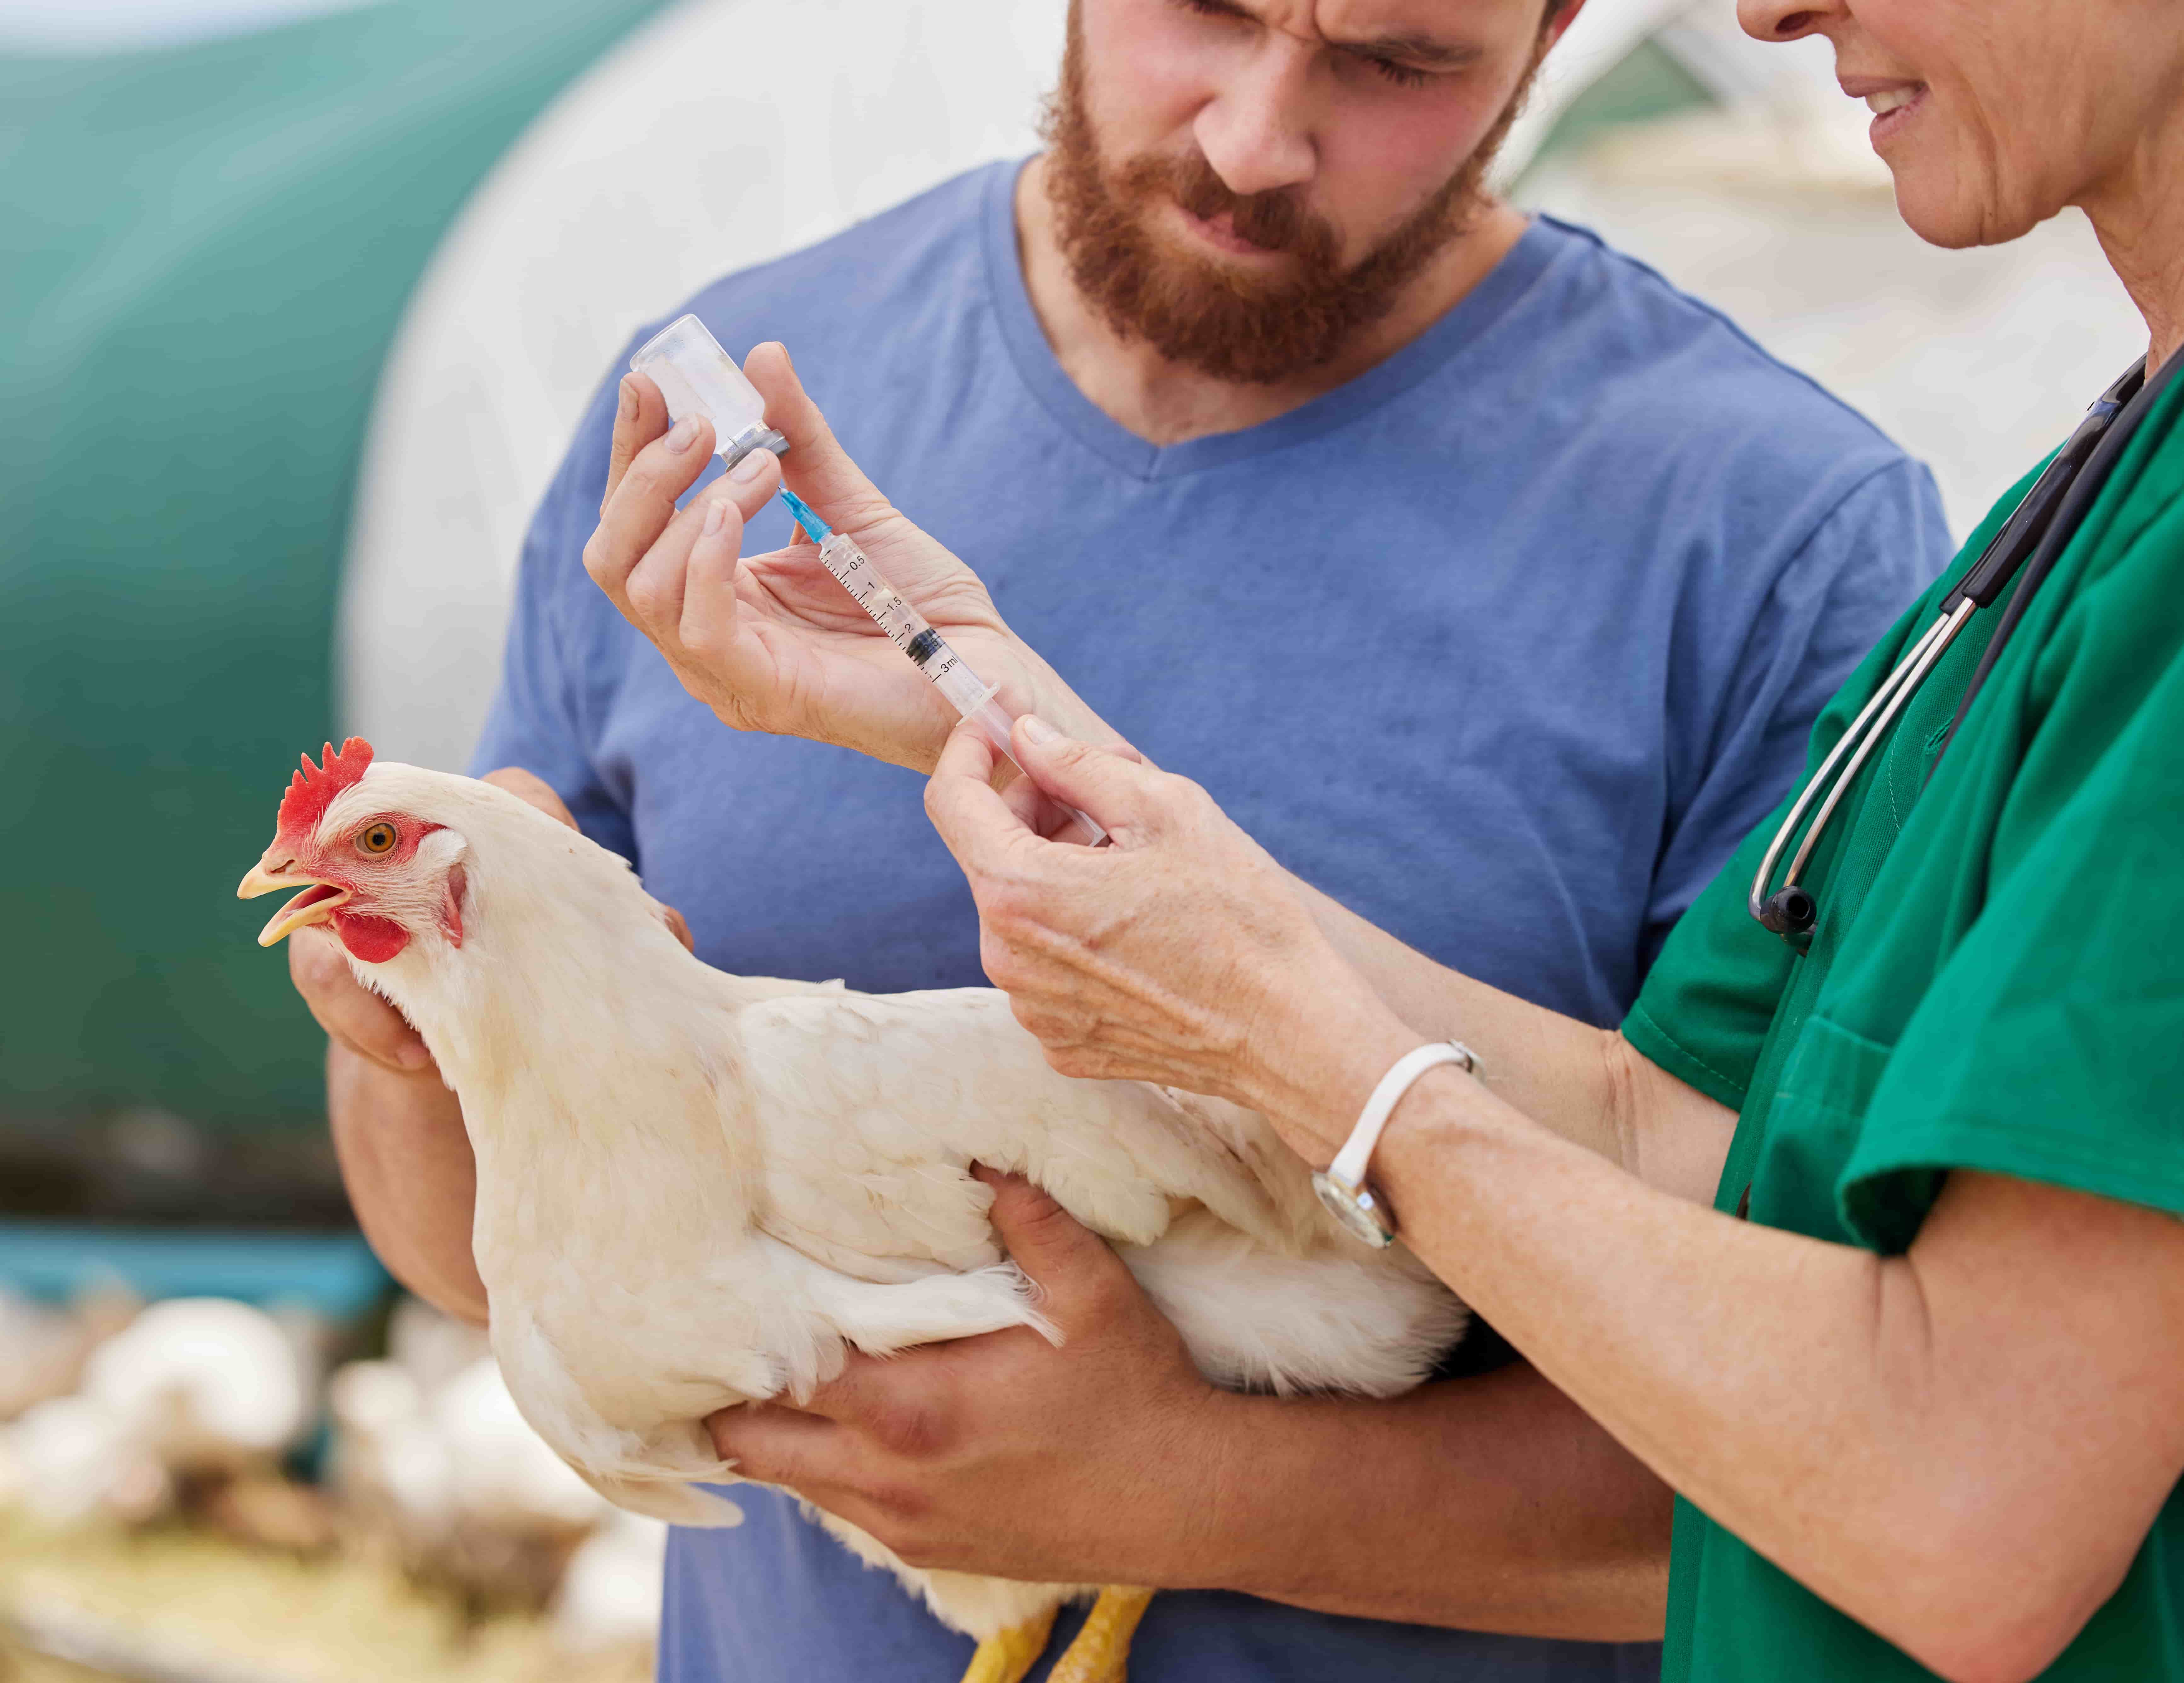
[(1402, 75), (379, 838)]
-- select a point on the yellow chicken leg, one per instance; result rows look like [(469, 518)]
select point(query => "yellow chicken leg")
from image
[(1102, 1651), (1007, 1658)]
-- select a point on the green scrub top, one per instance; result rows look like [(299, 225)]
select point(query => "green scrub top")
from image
[(1996, 982)]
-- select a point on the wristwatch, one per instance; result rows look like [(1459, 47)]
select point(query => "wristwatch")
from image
[(1342, 1186)]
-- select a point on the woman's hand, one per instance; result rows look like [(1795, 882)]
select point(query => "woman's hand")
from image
[(1182, 953), (771, 642)]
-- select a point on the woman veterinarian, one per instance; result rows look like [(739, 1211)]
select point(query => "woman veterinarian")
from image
[(1917, 1376)]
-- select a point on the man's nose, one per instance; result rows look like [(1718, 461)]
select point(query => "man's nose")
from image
[(1784, 19), (1256, 129)]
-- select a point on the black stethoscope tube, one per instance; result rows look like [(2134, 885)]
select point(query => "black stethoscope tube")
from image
[(2077, 501), (2038, 531)]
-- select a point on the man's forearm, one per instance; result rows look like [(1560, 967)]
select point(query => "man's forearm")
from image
[(410, 1176), (1486, 1504)]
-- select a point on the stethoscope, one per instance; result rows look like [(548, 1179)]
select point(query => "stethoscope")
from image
[(2041, 529)]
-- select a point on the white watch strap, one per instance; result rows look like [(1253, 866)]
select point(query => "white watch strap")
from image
[(1350, 1163)]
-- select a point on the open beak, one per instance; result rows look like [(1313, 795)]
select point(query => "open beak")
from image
[(318, 901)]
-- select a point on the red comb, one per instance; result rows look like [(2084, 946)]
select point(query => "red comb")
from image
[(312, 790)]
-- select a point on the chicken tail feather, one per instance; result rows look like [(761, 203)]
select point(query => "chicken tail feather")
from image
[(678, 1504)]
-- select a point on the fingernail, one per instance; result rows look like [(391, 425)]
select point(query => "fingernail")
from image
[(625, 405), (715, 512), (413, 1057), (680, 435), (1036, 730), (751, 468)]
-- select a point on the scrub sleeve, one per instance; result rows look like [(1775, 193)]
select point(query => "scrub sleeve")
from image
[(1996, 982)]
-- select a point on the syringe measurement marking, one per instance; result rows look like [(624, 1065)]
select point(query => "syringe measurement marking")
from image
[(928, 651), (878, 601)]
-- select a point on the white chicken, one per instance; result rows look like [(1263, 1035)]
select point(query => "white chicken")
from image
[(192, 1387), (609, 1597), (456, 1479), (72, 1458), (696, 1190), (212, 1385)]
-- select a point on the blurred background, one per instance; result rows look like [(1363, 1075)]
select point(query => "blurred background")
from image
[(299, 300)]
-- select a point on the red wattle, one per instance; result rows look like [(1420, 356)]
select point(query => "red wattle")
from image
[(373, 940)]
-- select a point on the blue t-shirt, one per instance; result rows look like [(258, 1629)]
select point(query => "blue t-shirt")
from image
[(1506, 644)]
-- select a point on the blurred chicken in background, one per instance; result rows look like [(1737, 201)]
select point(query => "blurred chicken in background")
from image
[(193, 1413), (430, 1459), (193, 1402)]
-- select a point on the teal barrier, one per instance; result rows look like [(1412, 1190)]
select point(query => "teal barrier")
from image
[(334, 1274), (204, 254)]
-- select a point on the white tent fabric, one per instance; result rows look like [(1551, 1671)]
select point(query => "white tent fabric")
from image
[(709, 141), (723, 134), (1604, 33)]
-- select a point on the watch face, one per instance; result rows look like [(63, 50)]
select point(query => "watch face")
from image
[(1357, 1211)]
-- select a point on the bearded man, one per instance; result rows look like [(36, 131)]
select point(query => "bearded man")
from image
[(1489, 582)]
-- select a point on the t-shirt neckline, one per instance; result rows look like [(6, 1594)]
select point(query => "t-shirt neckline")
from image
[(1462, 326)]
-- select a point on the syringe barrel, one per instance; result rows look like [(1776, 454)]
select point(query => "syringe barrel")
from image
[(966, 691), (931, 653)]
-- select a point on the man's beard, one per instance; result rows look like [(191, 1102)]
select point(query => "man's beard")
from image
[(1232, 326)]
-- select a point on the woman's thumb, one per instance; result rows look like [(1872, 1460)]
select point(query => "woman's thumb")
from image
[(1112, 784)]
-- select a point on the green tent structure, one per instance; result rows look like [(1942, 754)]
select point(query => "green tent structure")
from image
[(206, 247), (204, 252)]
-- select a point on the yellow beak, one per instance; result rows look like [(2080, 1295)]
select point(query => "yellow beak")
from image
[(318, 901)]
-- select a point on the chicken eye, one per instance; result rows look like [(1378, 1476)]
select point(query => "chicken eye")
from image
[(379, 838)]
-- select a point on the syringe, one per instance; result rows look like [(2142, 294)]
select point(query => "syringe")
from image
[(696, 376), (910, 632)]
